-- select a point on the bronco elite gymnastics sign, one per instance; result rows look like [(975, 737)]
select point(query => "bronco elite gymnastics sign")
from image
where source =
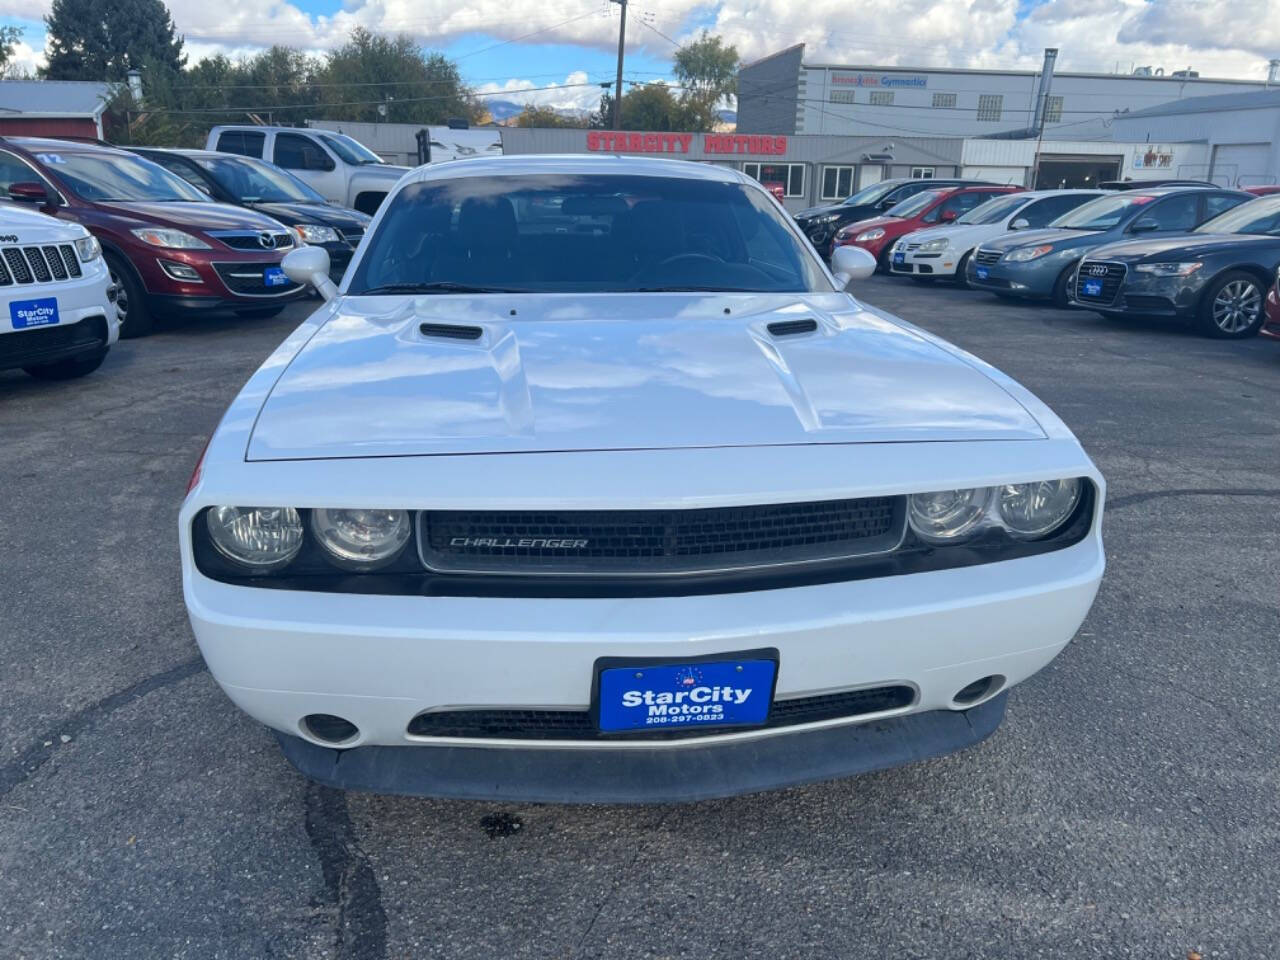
[(697, 694)]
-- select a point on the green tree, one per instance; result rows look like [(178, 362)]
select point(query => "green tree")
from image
[(650, 106), (532, 116), (9, 37), (707, 70), (105, 39)]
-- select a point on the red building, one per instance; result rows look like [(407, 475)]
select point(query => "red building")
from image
[(53, 108)]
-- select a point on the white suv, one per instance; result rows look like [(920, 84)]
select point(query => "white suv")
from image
[(58, 318)]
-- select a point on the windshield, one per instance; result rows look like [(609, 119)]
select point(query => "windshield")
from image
[(105, 177), (351, 151), (1260, 217), (578, 232), (913, 205), (871, 194), (993, 211), (1103, 213), (255, 181)]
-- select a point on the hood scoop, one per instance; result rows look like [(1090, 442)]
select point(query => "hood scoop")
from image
[(791, 328), (451, 331)]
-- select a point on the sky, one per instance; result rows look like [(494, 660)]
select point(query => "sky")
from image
[(558, 52)]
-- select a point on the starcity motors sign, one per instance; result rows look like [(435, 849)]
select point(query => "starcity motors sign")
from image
[(616, 141), (718, 693), (884, 81)]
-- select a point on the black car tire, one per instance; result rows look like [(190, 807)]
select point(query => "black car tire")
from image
[(136, 318), (1059, 295), (884, 260), (1232, 307), (70, 368), (962, 278)]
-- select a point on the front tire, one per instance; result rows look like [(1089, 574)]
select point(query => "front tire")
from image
[(962, 277), (136, 318), (1232, 307), (69, 369), (1059, 295)]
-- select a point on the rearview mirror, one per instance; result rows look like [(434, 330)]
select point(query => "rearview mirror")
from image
[(1145, 225), (310, 266), (851, 263), (947, 216), (29, 191), (1020, 224)]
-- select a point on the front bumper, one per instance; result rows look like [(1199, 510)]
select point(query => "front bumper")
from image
[(1139, 295), (933, 264), (87, 321), (1032, 280)]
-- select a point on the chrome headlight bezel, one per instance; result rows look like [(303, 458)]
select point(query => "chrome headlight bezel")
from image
[(1169, 268), (875, 233), (88, 249), (1027, 254), (169, 238), (315, 233)]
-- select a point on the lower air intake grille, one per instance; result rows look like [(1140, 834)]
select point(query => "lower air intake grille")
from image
[(578, 724), (655, 542), (987, 257)]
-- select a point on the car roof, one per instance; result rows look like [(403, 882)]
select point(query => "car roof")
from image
[(54, 145), (188, 152), (587, 164)]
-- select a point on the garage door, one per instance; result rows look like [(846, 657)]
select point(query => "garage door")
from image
[(1242, 164)]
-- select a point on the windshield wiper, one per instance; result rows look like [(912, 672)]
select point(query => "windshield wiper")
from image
[(435, 286), (690, 288)]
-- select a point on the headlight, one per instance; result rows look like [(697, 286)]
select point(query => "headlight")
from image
[(931, 245), (315, 233), (88, 249), (361, 539), (1167, 269), (260, 538), (1023, 254), (873, 234), (1031, 510), (946, 516), (173, 239)]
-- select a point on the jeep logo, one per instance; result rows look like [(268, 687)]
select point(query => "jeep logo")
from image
[(8, 238)]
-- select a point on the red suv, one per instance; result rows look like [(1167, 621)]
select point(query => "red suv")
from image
[(927, 209), (170, 248)]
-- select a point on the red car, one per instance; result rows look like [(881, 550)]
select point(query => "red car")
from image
[(170, 248), (1271, 325), (1263, 190), (930, 208)]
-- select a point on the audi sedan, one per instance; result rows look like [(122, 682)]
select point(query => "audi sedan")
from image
[(1215, 277), (590, 483)]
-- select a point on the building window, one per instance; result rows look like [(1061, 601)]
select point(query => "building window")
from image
[(1052, 109), (842, 96), (882, 98), (790, 175), (837, 183), (990, 106), (945, 101), (922, 173)]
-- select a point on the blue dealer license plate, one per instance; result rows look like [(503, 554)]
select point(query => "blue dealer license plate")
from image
[(274, 277), (982, 273), (697, 693), (1093, 288), (33, 313), (899, 257)]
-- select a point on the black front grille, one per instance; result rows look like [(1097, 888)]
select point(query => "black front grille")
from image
[(35, 259), (247, 279), (579, 725), (1108, 276), (986, 257), (38, 264), (254, 241), (45, 344), (656, 542)]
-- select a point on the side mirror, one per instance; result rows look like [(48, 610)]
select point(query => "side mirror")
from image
[(1145, 225), (851, 263), (29, 191), (310, 266), (887, 204), (1020, 224), (947, 216)]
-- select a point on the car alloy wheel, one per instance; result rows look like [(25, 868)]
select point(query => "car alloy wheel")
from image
[(122, 299), (1237, 306)]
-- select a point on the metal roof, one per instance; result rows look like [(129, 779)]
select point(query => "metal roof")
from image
[(54, 98), (1258, 100)]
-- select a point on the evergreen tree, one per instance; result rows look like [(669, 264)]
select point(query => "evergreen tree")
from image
[(105, 39)]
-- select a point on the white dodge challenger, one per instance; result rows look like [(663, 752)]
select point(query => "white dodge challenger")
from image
[(589, 483)]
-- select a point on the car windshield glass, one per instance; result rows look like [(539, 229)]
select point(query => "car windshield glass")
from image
[(252, 181), (1103, 213), (350, 150), (871, 194), (1261, 217), (913, 205), (993, 211), (102, 177), (580, 232)]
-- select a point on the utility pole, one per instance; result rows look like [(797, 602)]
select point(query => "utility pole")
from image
[(622, 41)]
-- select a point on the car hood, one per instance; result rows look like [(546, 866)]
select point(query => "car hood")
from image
[(1191, 245), (382, 171), (619, 372), (846, 212), (1031, 238), (26, 225), (193, 215), (962, 235), (322, 213)]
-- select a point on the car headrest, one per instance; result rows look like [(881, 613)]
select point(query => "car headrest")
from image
[(487, 223)]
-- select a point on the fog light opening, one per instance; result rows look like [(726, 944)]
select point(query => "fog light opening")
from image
[(330, 729), (967, 696)]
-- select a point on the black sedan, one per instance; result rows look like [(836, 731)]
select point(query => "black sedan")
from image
[(820, 224), (259, 185), (1215, 277)]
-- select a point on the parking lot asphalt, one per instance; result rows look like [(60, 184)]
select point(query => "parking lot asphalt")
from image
[(1128, 807)]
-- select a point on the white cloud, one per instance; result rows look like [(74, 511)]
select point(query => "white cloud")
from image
[(576, 93)]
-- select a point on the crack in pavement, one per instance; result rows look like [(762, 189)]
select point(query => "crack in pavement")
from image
[(1118, 502), (360, 924), (26, 763)]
